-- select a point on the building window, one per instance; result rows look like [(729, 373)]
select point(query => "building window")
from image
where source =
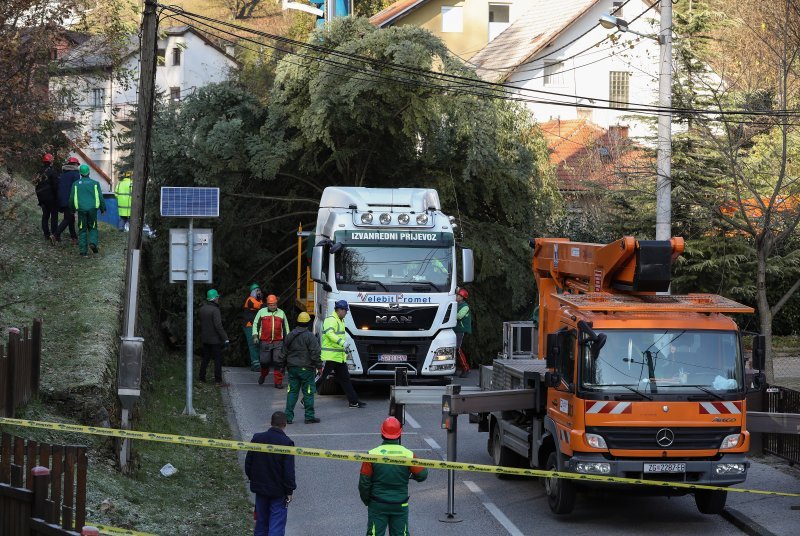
[(452, 19), (618, 89), (176, 56), (175, 94), (553, 73), (616, 8), (499, 19), (98, 97), (161, 53)]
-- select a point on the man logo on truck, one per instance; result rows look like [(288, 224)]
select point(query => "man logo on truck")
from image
[(393, 319)]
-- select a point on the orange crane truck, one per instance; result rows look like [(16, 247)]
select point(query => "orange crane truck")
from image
[(630, 381)]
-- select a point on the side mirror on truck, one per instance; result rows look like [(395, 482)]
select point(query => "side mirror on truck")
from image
[(553, 350), (759, 351), (596, 340), (317, 258), (467, 266)]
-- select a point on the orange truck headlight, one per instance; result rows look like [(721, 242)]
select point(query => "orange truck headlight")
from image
[(596, 441), (731, 442)]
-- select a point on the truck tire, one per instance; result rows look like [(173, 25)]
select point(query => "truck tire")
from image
[(560, 493), (329, 387), (502, 456), (710, 501)]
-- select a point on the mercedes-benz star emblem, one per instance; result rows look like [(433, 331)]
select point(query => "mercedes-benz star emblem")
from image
[(665, 437)]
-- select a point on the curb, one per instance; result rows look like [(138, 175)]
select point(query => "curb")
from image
[(745, 523)]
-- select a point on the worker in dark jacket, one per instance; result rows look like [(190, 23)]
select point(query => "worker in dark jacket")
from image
[(213, 336), (383, 488), (47, 197), (69, 176), (252, 305), (301, 354), (271, 479)]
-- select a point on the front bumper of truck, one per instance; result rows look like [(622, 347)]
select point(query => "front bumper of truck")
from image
[(716, 472)]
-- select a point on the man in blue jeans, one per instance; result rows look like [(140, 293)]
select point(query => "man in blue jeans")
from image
[(271, 479)]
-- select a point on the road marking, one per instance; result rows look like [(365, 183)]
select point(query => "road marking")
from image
[(493, 509), (432, 442), (413, 422)]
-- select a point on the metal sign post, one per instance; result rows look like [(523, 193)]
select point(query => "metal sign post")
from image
[(190, 203), (450, 423)]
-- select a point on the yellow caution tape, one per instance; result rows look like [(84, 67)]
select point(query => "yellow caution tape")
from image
[(113, 531), (359, 457)]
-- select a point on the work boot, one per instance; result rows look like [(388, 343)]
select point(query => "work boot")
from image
[(278, 386), (358, 405), (52, 239), (312, 420), (93, 247), (261, 380)]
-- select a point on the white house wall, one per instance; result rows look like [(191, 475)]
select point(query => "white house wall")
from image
[(587, 75)]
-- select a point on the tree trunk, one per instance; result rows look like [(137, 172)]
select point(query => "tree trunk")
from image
[(764, 313)]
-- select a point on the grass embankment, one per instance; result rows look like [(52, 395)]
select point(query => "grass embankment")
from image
[(80, 300)]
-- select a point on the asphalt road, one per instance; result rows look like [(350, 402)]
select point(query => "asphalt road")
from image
[(326, 501)]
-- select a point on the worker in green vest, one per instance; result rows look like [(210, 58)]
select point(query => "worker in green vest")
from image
[(123, 192), (383, 487), (334, 355), (86, 198), (463, 326)]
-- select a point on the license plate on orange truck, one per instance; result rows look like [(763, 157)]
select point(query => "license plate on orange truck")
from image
[(665, 468)]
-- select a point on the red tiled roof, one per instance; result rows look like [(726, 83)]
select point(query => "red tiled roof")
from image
[(388, 15), (586, 155)]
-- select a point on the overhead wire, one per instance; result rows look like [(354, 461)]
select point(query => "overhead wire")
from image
[(462, 84)]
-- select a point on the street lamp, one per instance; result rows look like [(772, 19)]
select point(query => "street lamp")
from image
[(664, 142)]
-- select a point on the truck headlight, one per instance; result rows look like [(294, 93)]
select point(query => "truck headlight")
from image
[(422, 219), (730, 468), (366, 217), (731, 441), (386, 219), (445, 353), (403, 219), (596, 441), (594, 468)]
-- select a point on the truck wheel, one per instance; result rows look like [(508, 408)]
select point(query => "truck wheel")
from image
[(560, 493), (502, 456), (328, 387), (710, 501)]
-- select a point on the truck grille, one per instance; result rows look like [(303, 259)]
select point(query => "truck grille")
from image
[(636, 438), (393, 319)]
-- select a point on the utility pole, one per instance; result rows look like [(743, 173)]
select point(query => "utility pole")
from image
[(130, 361), (664, 145)]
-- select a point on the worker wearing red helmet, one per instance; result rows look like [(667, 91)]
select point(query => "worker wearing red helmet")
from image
[(463, 320), (270, 327), (384, 487), (47, 197)]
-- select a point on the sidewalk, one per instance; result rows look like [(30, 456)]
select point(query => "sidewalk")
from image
[(766, 515)]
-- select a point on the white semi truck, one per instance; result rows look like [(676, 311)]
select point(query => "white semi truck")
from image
[(391, 253)]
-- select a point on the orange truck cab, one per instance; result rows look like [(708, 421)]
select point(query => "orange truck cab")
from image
[(639, 383)]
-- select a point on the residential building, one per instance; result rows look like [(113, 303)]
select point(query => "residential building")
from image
[(105, 88), (558, 58), (465, 26)]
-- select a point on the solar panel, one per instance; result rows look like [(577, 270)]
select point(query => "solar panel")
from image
[(189, 202)]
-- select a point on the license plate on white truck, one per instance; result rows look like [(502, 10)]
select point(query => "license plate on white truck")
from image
[(393, 358), (665, 468)]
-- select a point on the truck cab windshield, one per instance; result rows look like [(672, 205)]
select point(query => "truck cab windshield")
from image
[(395, 268), (664, 361)]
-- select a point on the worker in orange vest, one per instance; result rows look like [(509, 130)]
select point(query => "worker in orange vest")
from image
[(269, 329), (252, 305)]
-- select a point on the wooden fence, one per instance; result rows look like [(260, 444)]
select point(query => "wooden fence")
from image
[(42, 488), (20, 362)]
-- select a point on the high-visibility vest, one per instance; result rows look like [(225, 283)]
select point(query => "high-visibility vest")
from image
[(389, 449), (333, 339), (123, 192)]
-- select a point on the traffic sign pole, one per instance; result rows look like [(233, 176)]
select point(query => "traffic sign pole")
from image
[(189, 410)]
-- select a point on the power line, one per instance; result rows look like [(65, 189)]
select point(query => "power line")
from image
[(464, 84)]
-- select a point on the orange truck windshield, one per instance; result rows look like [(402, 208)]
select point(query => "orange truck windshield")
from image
[(664, 361)]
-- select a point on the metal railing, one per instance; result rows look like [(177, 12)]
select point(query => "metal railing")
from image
[(783, 400)]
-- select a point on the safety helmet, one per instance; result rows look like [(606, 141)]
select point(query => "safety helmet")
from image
[(341, 304), (84, 169), (463, 293), (126, 175), (212, 294), (303, 318), (272, 299), (391, 428), (47, 158), (254, 286), (72, 160)]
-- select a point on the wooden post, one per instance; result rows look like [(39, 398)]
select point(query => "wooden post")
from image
[(5, 459), (36, 355), (30, 463), (11, 393), (40, 480), (55, 477), (80, 498), (69, 483)]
